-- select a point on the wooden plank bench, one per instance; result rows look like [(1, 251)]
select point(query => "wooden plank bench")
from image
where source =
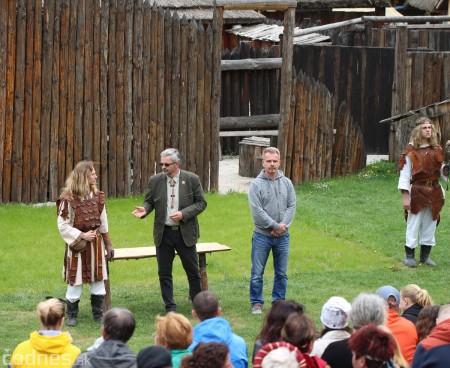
[(150, 252)]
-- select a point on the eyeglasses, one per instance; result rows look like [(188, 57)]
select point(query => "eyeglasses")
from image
[(165, 165)]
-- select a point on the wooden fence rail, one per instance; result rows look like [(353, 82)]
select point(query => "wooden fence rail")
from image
[(113, 81)]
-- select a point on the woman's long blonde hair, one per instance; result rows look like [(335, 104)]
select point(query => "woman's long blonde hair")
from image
[(417, 295), (77, 184), (416, 138)]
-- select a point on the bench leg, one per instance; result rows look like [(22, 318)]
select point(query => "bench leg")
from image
[(203, 274)]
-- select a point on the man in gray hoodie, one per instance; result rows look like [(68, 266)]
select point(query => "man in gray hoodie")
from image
[(272, 202), (118, 327)]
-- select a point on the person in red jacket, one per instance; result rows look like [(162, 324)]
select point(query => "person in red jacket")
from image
[(434, 350), (404, 331)]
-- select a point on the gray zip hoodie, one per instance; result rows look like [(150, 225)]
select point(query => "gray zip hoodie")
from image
[(272, 202)]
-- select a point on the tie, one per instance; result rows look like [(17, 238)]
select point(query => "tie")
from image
[(172, 185)]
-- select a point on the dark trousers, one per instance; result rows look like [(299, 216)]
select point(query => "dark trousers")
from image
[(173, 241)]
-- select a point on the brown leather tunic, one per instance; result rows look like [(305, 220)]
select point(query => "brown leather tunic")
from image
[(86, 217), (426, 170)]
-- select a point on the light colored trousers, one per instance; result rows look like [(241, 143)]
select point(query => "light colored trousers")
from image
[(73, 293), (420, 226)]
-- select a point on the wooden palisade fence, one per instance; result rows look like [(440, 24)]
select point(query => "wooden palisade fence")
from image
[(322, 138), (113, 81)]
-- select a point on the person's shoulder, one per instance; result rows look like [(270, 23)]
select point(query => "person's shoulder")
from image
[(189, 174)]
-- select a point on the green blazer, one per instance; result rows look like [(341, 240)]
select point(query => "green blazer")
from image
[(191, 203)]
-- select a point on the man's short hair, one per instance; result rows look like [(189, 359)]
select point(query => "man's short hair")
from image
[(272, 150), (119, 324), (206, 305), (173, 153), (444, 312)]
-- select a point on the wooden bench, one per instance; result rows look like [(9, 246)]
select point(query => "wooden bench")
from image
[(149, 252)]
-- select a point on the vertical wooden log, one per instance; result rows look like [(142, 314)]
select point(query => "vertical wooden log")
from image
[(192, 98), (290, 131), (79, 83), (215, 101), (207, 109), (137, 97), (3, 83), (63, 94), (202, 173), (128, 96), (17, 149), (154, 154), (36, 112), (87, 122), (28, 103), (47, 53), (112, 106), (286, 79), (54, 116), (71, 91), (147, 170), (175, 83), (104, 51), (96, 90), (9, 104), (168, 54), (160, 75), (120, 102), (183, 140)]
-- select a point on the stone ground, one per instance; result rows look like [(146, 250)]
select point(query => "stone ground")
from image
[(230, 180)]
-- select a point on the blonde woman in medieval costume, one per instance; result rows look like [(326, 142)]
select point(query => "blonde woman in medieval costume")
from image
[(83, 224), (420, 167)]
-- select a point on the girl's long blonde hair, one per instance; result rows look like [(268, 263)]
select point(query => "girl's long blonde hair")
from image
[(77, 184), (417, 295)]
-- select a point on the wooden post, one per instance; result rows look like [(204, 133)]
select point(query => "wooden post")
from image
[(398, 90), (286, 80), (216, 92)]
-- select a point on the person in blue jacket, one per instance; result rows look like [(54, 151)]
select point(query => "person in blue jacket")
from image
[(214, 328)]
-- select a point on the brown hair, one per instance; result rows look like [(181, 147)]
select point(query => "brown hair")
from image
[(206, 305), (207, 355), (416, 138), (426, 320), (299, 330), (173, 331)]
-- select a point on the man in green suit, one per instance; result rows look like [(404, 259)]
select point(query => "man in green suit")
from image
[(177, 198)]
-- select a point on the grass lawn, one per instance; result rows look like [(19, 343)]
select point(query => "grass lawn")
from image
[(347, 237)]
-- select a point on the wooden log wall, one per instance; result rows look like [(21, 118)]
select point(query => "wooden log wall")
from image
[(359, 76), (113, 81), (313, 150), (248, 92)]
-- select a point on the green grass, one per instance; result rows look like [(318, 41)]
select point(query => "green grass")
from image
[(347, 237)]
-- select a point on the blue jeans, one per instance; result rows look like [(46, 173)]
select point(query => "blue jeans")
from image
[(261, 247)]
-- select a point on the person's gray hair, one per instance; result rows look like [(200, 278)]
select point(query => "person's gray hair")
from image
[(368, 308), (173, 153)]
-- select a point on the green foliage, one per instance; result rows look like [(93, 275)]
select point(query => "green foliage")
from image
[(347, 237)]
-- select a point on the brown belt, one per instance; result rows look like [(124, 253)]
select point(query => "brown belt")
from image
[(426, 183)]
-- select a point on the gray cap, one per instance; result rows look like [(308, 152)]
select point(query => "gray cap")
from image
[(386, 291)]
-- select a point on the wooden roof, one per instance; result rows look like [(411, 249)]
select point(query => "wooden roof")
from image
[(432, 111), (203, 10), (426, 5), (329, 4)]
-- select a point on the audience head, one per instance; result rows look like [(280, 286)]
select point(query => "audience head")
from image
[(371, 347), (173, 331), (426, 320), (276, 317), (154, 357), (279, 354), (118, 324), (412, 294), (208, 355), (444, 313), (391, 295), (51, 313), (368, 308), (299, 330), (206, 305), (335, 313)]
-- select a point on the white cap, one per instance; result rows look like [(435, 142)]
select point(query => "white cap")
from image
[(335, 313)]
